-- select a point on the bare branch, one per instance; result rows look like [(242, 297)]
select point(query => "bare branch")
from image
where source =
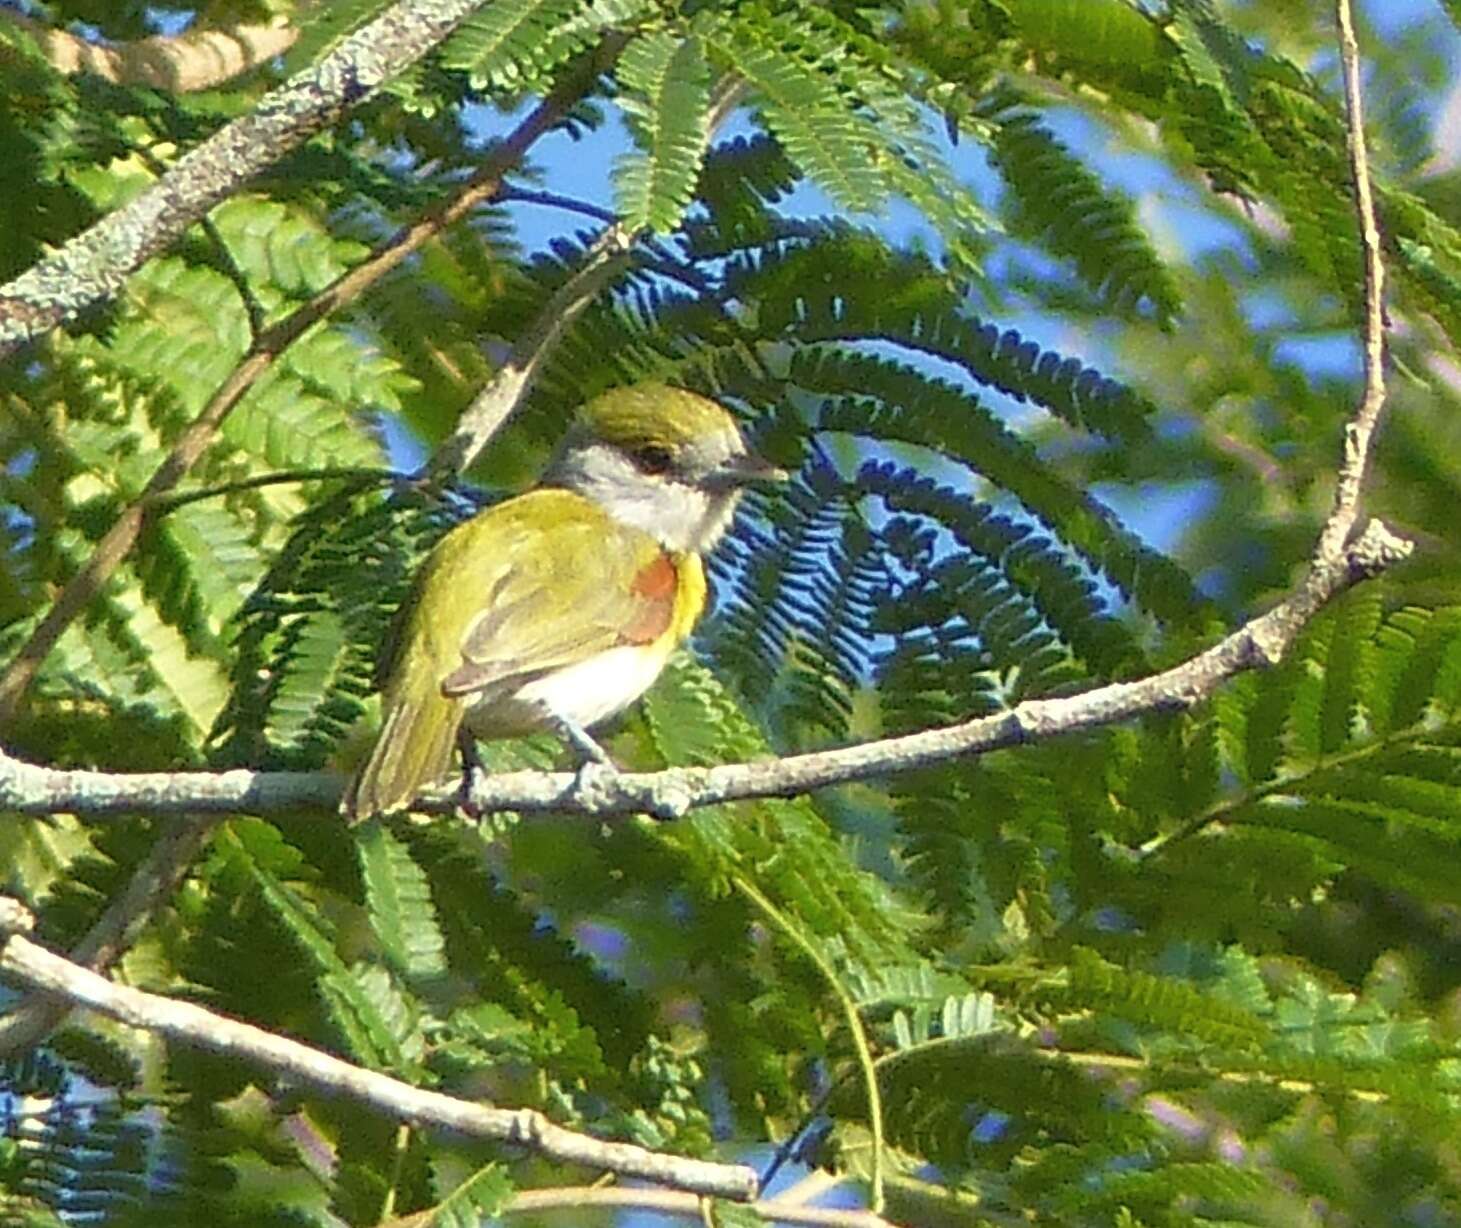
[(686, 1206), (1359, 433), (31, 789), (94, 265), (36, 967), (195, 60), (31, 1020), (491, 407)]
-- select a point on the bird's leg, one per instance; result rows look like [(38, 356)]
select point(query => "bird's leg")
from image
[(471, 765), (595, 766), (581, 740)]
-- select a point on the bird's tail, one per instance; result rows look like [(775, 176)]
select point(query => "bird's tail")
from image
[(413, 749)]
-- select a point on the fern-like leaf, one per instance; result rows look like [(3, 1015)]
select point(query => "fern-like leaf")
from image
[(398, 898), (666, 100)]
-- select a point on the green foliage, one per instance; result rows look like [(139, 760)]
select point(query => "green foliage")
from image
[(666, 98), (1057, 199), (1198, 968)]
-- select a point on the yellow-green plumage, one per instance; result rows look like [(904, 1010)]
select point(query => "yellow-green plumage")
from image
[(558, 608), (521, 564)]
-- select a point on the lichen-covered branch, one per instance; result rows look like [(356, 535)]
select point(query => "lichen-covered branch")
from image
[(31, 789), (94, 265), (35, 967)]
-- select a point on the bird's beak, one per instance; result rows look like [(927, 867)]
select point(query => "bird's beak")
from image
[(746, 469)]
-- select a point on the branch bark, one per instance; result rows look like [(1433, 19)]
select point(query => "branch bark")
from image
[(94, 265), (153, 882), (684, 1206), (32, 789), (195, 60), (492, 407), (34, 966)]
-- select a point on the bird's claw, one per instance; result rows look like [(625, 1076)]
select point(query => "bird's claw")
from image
[(592, 781)]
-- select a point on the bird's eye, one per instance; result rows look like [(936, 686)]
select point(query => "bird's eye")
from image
[(652, 458)]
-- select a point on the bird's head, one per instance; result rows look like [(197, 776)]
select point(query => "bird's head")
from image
[(661, 459)]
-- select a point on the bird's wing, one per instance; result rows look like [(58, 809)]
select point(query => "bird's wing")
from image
[(534, 584), (556, 581)]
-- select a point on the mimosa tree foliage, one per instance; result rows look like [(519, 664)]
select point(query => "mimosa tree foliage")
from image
[(1195, 969)]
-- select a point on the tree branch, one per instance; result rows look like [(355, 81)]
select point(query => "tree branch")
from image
[(36, 967), (491, 407), (685, 1206), (195, 60), (31, 789), (167, 861), (93, 266), (1359, 433)]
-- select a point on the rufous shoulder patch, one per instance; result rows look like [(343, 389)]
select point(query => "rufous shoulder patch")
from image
[(654, 587)]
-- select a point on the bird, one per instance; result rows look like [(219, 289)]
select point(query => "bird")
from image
[(557, 608)]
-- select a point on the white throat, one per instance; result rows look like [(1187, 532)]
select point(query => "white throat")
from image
[(681, 517)]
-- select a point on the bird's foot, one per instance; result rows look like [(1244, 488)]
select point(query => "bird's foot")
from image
[(582, 741), (595, 771), (592, 782)]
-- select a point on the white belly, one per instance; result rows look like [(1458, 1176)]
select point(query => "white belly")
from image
[(586, 693)]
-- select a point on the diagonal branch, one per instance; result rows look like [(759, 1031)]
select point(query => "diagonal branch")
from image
[(93, 266), (118, 541), (152, 883), (40, 969), (505, 392), (492, 407)]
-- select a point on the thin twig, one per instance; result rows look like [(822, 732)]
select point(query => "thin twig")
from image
[(253, 309), (514, 195), (491, 407), (1359, 433), (40, 969), (860, 1043), (231, 268), (665, 261), (502, 396), (1336, 537), (280, 477)]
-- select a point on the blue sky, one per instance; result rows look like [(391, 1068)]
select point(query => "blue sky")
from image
[(1185, 224)]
